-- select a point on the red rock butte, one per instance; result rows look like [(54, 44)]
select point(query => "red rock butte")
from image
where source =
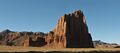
[(73, 31), (70, 32)]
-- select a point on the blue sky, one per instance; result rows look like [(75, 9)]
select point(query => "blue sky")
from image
[(103, 16)]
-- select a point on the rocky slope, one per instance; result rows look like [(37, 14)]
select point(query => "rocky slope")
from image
[(70, 32)]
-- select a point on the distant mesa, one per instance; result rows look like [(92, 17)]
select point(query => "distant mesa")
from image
[(70, 32), (101, 44)]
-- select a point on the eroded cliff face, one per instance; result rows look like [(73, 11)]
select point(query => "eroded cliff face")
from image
[(70, 32), (22, 38)]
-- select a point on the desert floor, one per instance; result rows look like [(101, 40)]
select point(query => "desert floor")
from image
[(20, 49)]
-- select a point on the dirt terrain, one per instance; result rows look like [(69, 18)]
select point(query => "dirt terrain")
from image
[(20, 49)]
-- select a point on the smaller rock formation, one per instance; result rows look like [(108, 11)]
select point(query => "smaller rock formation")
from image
[(101, 44), (22, 38)]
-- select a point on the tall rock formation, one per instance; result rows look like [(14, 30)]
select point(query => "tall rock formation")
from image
[(72, 31)]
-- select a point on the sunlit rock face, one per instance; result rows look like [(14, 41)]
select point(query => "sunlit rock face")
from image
[(71, 32)]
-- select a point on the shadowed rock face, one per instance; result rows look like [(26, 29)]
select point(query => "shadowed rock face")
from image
[(38, 42), (70, 32)]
